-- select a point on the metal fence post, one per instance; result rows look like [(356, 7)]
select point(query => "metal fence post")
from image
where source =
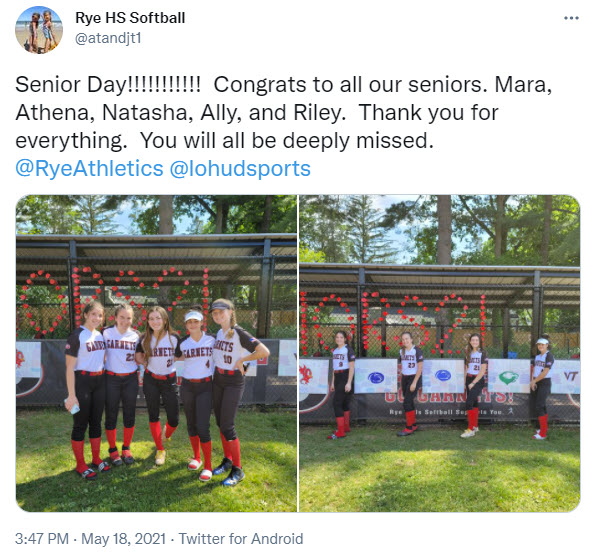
[(361, 285), (71, 263), (264, 306)]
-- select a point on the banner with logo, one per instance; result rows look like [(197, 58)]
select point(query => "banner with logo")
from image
[(566, 376), (445, 376), (314, 376), (376, 376), (509, 375), (287, 357), (29, 373)]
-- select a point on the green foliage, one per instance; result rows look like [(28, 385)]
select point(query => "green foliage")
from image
[(310, 256)]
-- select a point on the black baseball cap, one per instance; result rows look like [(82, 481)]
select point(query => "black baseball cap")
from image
[(219, 305)]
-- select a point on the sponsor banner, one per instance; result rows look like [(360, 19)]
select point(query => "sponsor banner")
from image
[(376, 376), (287, 357), (314, 376), (566, 376), (509, 375), (443, 376), (29, 374), (48, 387)]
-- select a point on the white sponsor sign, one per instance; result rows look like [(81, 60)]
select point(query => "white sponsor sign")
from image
[(28, 364), (509, 376), (376, 376), (445, 376), (566, 376), (287, 358), (313, 376)]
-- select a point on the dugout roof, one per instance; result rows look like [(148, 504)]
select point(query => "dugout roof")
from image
[(503, 286), (230, 258)]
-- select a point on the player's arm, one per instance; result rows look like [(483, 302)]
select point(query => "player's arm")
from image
[(349, 384), (420, 369), (482, 370), (256, 349), (139, 356), (72, 400)]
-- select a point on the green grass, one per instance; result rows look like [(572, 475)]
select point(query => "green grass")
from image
[(46, 480), (499, 470)]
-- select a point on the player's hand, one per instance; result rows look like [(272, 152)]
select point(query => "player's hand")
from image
[(533, 385), (348, 387), (70, 402), (412, 387), (333, 387), (239, 365)]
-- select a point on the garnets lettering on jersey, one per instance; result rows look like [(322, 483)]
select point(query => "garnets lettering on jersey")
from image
[(223, 345), (198, 352), (94, 346), (163, 352), (120, 344)]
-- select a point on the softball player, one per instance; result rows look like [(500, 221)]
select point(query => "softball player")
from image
[(197, 391), (342, 384), (476, 365), (411, 363), (233, 348), (541, 384), (121, 382), (85, 353), (156, 351)]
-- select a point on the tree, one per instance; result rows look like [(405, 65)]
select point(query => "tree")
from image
[(46, 214), (368, 243), (92, 216), (444, 243)]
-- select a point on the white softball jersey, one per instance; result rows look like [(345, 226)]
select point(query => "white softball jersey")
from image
[(89, 349), (341, 358), (542, 361), (198, 357), (409, 360), (226, 351), (120, 350), (161, 361), (476, 360)]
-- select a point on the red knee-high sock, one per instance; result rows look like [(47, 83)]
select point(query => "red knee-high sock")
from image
[(543, 425), (169, 430), (470, 413), (78, 447), (410, 418), (95, 449), (346, 415), (206, 452), (340, 426), (156, 434), (476, 417), (128, 434), (195, 441), (110, 434), (234, 447), (225, 444)]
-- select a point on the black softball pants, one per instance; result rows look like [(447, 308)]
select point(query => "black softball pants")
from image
[(544, 389), (342, 399), (118, 388), (197, 398), (90, 392), (155, 391), (408, 395), (227, 394), (473, 394)]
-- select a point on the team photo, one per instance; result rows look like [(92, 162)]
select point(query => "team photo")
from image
[(136, 351), (439, 342)]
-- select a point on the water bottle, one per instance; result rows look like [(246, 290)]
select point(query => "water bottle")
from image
[(75, 408)]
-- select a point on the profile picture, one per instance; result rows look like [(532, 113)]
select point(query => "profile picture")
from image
[(38, 30)]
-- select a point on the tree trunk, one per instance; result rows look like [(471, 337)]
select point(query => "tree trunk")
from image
[(547, 229), (265, 225), (444, 247), (219, 218), (166, 214), (500, 234)]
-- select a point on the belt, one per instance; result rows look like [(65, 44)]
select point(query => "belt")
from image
[(227, 371), (111, 373), (341, 371), (160, 377), (90, 373), (206, 379)]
